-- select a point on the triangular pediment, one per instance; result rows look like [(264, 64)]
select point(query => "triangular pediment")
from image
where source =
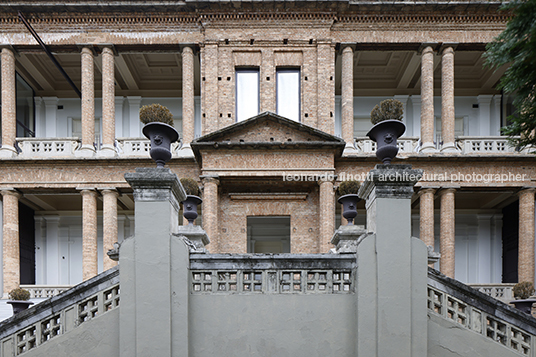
[(268, 127)]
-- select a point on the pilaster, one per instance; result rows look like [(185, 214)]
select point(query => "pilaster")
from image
[(391, 281), (154, 268)]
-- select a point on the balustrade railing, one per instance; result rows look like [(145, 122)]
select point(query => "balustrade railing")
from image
[(480, 313), (60, 314), (43, 147), (272, 274), (45, 291), (503, 292), (405, 144)]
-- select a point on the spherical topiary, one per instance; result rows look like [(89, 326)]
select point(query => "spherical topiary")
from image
[(523, 290), (190, 186), (349, 187), (388, 109), (19, 294), (155, 113)]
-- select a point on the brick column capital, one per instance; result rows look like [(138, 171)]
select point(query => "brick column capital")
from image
[(11, 192), (88, 192), (348, 49), (210, 179), (444, 190), (109, 191), (425, 190), (526, 191)]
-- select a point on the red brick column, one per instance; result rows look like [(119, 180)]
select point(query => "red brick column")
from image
[(210, 210), (109, 220), (447, 100), (347, 96), (426, 207), (525, 270), (9, 104), (326, 215), (427, 100), (108, 102), (447, 231), (89, 234), (88, 103), (10, 231), (188, 105)]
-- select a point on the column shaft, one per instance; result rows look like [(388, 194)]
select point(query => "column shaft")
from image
[(188, 105), (426, 223), (347, 96), (447, 232), (88, 100), (11, 252), (525, 268), (89, 233), (327, 216), (427, 99), (210, 210), (9, 103), (109, 219), (108, 99), (447, 100)]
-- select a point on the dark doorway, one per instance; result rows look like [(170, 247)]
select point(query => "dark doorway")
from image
[(27, 244), (269, 234), (510, 242)]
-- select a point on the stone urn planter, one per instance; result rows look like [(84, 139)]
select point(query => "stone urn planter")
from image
[(523, 296), (190, 208), (19, 305), (161, 136), (158, 128), (388, 127), (19, 300), (349, 207), (386, 134), (524, 305)]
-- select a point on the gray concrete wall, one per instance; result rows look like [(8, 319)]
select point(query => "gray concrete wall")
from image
[(446, 338), (272, 325), (96, 337)]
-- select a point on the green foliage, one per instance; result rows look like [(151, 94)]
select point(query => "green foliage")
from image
[(388, 109), (348, 187), (155, 113), (190, 186), (516, 46), (523, 290), (19, 294)]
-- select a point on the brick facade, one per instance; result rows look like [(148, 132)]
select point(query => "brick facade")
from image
[(242, 169)]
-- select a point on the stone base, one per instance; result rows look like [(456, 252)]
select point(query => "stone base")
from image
[(449, 147), (347, 238), (185, 151), (349, 150), (85, 151), (7, 151), (107, 151), (428, 148), (196, 236)]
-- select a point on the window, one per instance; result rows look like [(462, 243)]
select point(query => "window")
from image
[(288, 93), (247, 93)]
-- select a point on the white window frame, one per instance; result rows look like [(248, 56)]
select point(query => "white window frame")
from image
[(248, 95), (288, 102)]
